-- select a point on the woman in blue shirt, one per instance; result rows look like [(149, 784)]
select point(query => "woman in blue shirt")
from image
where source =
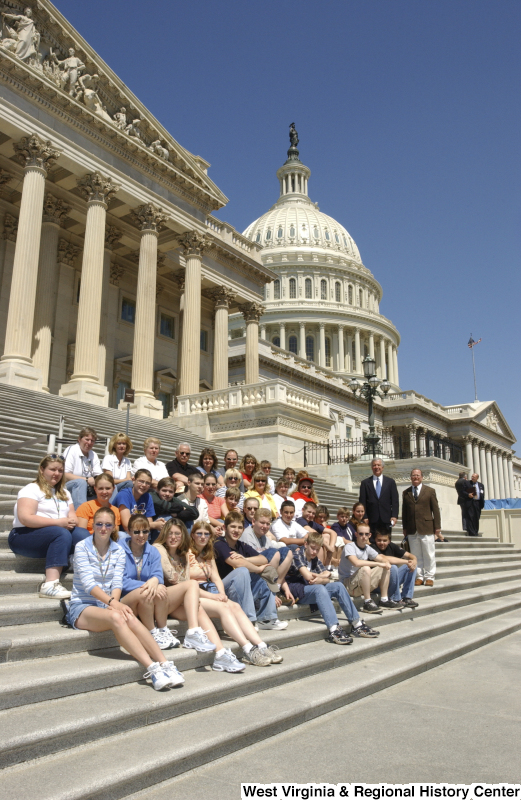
[(99, 565), (150, 600), (138, 501)]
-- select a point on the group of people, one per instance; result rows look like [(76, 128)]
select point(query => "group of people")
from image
[(148, 540)]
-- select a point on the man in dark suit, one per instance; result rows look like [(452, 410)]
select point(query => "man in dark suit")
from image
[(473, 502), (380, 498), (461, 497), (421, 520)]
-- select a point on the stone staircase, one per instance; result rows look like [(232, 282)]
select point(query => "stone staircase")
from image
[(79, 722)]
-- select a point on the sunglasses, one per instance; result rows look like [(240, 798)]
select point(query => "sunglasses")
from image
[(100, 525), (142, 532), (202, 534), (56, 457), (233, 479)]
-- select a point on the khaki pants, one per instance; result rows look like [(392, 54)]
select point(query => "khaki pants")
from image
[(354, 584)]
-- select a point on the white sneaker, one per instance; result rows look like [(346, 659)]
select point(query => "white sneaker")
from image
[(169, 634), (164, 639), (198, 641), (271, 625), (334, 575), (160, 677), (227, 663), (54, 590), (176, 677)]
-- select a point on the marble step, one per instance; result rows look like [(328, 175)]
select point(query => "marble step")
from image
[(131, 761)]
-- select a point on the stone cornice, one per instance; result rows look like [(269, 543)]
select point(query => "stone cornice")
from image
[(240, 263)]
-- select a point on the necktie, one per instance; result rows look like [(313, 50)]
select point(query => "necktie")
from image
[(415, 493), (378, 488)]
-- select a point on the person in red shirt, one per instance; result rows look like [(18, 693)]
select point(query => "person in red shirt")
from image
[(213, 503)]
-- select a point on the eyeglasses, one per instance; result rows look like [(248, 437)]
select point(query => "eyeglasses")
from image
[(174, 535), (202, 534), (100, 525), (184, 453), (363, 534), (142, 532)]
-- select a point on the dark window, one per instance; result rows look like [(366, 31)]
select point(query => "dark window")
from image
[(292, 344), (310, 348), (337, 291), (128, 310), (276, 341), (323, 289), (309, 289), (204, 341), (167, 326), (292, 288), (276, 290)]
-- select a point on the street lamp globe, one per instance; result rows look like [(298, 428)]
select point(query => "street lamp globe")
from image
[(385, 386), (354, 385), (374, 381), (369, 367)]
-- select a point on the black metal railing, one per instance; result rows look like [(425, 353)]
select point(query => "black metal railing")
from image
[(345, 451)]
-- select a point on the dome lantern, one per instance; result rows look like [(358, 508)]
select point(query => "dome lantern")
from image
[(293, 175)]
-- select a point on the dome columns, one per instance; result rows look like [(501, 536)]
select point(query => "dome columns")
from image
[(252, 313), (302, 340)]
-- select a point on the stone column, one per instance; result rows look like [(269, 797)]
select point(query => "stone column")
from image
[(302, 340), (358, 360), (497, 486), (262, 332), (390, 376), (282, 334), (67, 258), (194, 244), (179, 278), (475, 459), (5, 177), (483, 465), (8, 243), (54, 213), (149, 220), (221, 297), (395, 365), (252, 313), (468, 454), (505, 476), (412, 440), (510, 476), (322, 344), (84, 384), (16, 365), (349, 355), (421, 436), (371, 344), (499, 463), (112, 236), (382, 359), (341, 365), (490, 475)]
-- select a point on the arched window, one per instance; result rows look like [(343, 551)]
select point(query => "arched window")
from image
[(276, 341), (327, 236), (337, 291), (280, 233), (276, 290), (268, 234), (345, 240), (310, 348), (350, 295), (315, 232), (337, 239), (292, 231), (361, 298), (328, 351), (292, 288), (323, 289), (308, 288), (366, 350), (258, 237), (292, 344)]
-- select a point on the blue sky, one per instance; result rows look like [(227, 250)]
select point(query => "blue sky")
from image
[(408, 114)]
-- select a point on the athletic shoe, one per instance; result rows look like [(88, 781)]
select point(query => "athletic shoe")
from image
[(176, 677), (198, 641), (364, 632), (390, 604), (160, 677), (271, 624), (370, 607), (334, 575), (408, 602), (274, 653), (338, 636), (257, 657), (53, 590), (227, 663), (164, 639)]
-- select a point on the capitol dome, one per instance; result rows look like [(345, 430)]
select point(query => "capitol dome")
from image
[(324, 305)]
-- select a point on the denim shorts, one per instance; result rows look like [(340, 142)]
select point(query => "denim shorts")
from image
[(209, 586), (75, 609)]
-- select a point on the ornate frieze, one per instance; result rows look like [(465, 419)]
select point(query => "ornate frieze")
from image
[(67, 252), (95, 188), (10, 228), (116, 273), (31, 151), (5, 177), (54, 209), (112, 236)]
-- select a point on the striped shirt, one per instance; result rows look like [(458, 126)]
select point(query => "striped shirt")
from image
[(88, 571)]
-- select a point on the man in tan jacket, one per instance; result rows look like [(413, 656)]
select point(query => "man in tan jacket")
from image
[(421, 522)]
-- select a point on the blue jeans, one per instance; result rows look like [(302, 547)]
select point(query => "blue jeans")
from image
[(78, 490), (117, 488), (53, 543), (252, 593), (270, 552), (322, 595), (401, 574)]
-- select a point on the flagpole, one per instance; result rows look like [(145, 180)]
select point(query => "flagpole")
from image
[(474, 371)]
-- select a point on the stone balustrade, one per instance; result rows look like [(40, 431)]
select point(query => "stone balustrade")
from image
[(265, 393)]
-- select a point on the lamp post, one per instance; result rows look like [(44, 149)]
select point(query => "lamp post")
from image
[(368, 390)]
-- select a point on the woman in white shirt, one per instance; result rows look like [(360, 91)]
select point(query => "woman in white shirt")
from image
[(45, 524), (150, 461), (117, 463)]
